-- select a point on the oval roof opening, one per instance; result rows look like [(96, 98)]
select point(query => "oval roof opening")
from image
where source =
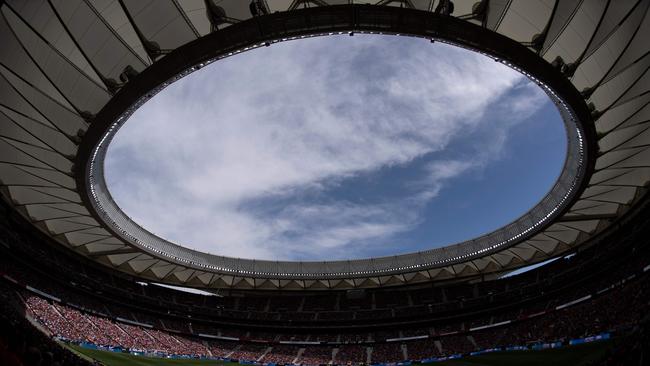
[(335, 148)]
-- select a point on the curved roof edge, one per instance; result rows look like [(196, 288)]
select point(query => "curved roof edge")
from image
[(56, 78), (212, 48)]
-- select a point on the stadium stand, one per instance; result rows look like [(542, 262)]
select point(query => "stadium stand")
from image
[(587, 294)]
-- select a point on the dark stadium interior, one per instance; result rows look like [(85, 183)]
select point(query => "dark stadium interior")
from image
[(84, 303), (71, 278)]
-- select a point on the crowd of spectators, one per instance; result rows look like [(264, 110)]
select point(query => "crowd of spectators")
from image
[(22, 344), (218, 348), (423, 348), (281, 354), (73, 325), (349, 354), (456, 344), (249, 352), (619, 306), (316, 355), (387, 352)]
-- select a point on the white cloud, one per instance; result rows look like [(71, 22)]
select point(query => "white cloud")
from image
[(302, 116)]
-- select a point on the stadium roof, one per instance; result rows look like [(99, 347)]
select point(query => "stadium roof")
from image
[(73, 71)]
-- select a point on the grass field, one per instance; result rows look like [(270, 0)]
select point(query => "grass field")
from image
[(124, 359), (569, 356)]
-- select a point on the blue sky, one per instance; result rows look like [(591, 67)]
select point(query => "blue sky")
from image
[(337, 147)]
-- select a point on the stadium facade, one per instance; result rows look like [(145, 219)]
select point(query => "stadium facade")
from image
[(73, 71)]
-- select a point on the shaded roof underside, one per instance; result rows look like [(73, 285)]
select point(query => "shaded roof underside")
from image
[(63, 61)]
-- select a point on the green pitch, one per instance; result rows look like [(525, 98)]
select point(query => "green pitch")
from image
[(569, 356), (125, 359)]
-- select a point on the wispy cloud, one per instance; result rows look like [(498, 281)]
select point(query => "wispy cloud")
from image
[(303, 117)]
